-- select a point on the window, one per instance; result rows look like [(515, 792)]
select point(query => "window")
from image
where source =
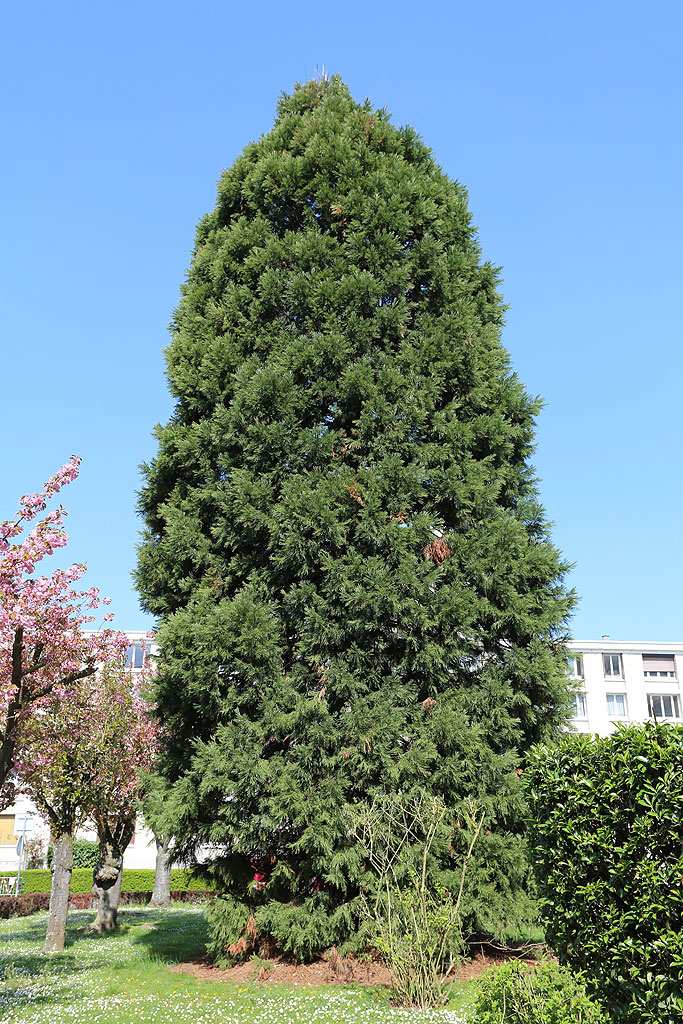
[(616, 705), (137, 655), (659, 666), (611, 664), (663, 705), (7, 835), (580, 709), (575, 666)]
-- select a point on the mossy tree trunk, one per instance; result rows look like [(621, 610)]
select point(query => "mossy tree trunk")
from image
[(107, 874)]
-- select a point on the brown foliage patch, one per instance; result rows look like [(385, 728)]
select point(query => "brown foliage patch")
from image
[(438, 551)]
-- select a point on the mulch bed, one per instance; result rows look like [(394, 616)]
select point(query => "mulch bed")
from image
[(333, 971)]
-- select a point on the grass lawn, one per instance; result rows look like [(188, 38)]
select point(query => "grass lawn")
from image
[(125, 978)]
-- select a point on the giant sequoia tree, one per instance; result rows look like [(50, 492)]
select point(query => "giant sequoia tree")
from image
[(357, 589)]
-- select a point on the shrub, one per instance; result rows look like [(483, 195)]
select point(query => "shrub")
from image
[(86, 853), (134, 880), (227, 922), (607, 834), (34, 852), (545, 994), (8, 906), (22, 906), (415, 923), (30, 902)]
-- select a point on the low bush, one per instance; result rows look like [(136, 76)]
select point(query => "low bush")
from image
[(86, 852), (22, 906), (517, 993), (606, 832), (29, 903), (413, 921)]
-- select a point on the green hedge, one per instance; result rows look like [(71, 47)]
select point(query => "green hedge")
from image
[(606, 829), (546, 993), (86, 853), (134, 880)]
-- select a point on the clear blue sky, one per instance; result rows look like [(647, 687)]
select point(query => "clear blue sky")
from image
[(562, 119)]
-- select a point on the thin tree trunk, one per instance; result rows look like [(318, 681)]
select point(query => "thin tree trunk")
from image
[(62, 866), (107, 875), (161, 896)]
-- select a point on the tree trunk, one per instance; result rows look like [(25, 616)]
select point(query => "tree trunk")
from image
[(107, 887), (62, 865), (161, 897)]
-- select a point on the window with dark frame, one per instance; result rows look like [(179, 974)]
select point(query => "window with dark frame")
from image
[(137, 655), (576, 666), (663, 705), (611, 666), (580, 705)]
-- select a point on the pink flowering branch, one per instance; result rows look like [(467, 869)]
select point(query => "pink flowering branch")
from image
[(85, 758), (43, 650)]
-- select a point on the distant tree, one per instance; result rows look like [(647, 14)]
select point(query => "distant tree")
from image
[(127, 750), (153, 805), (43, 649), (82, 759), (356, 582), (56, 769)]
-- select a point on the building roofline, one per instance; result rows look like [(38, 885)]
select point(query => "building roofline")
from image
[(634, 646)]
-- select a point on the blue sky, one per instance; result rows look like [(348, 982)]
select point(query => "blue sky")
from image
[(562, 119)]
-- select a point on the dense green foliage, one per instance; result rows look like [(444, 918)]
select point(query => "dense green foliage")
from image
[(607, 833), (134, 880), (357, 589), (544, 994), (86, 853)]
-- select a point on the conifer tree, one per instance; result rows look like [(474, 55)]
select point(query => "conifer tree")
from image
[(356, 585)]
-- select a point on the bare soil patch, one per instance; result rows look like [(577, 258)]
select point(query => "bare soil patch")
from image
[(333, 971)]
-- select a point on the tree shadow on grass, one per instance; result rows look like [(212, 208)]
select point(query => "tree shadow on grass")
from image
[(31, 978), (171, 937)]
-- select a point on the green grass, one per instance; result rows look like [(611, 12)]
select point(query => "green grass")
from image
[(125, 978)]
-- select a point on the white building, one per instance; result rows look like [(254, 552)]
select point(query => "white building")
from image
[(142, 851), (625, 682)]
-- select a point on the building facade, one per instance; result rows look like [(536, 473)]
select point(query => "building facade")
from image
[(625, 681)]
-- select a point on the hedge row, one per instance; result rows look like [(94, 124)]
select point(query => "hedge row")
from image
[(29, 903), (606, 830), (134, 880)]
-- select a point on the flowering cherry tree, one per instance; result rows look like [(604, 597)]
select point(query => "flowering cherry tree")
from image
[(83, 759), (43, 649), (128, 747)]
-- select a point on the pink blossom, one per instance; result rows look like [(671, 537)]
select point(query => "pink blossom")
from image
[(42, 643)]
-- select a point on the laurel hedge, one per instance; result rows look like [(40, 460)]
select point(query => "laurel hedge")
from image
[(134, 880), (546, 993), (606, 830)]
